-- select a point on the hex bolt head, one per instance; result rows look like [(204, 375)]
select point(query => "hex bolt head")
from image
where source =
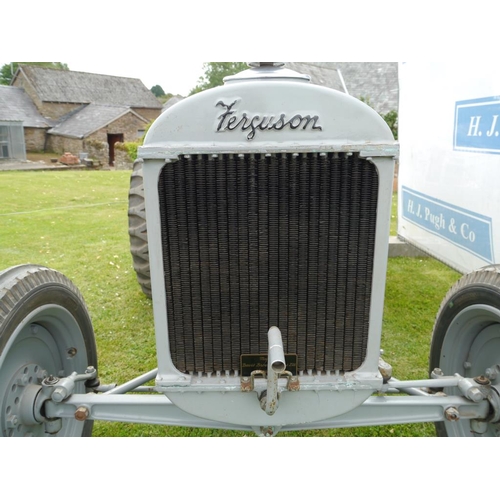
[(12, 422), (452, 414), (474, 394), (59, 394), (82, 413)]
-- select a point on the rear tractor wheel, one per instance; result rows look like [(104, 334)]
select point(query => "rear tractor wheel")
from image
[(137, 229)]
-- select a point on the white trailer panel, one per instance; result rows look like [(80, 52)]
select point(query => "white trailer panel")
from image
[(449, 132)]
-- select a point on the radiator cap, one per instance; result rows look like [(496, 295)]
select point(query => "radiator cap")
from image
[(267, 71)]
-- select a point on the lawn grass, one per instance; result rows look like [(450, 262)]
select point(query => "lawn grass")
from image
[(76, 222)]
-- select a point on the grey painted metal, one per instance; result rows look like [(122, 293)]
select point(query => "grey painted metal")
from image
[(275, 367), (472, 342), (376, 410), (133, 384), (43, 345), (199, 124)]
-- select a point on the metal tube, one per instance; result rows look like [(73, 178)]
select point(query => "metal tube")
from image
[(415, 384), (276, 358), (275, 365), (132, 384), (376, 410)]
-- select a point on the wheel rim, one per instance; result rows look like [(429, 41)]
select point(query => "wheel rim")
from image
[(470, 347), (49, 341)]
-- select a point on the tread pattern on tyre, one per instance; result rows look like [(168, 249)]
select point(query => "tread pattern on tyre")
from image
[(16, 282), (137, 229)]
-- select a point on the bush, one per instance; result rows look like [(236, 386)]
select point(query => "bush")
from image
[(131, 148)]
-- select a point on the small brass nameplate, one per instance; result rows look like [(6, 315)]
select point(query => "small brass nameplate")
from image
[(252, 362)]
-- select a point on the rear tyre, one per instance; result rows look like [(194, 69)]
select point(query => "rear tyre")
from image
[(137, 229), (466, 337), (45, 329)]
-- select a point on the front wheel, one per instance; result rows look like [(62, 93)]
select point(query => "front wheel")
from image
[(466, 339), (45, 329)]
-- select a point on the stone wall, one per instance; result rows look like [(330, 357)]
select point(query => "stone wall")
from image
[(34, 138), (148, 113), (60, 145), (122, 159), (98, 151), (128, 125)]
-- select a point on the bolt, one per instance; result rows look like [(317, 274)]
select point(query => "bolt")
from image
[(437, 372), (23, 381), (267, 431), (59, 394), (12, 422), (451, 414), (491, 374), (467, 365), (482, 380), (82, 413), (51, 380), (474, 394)]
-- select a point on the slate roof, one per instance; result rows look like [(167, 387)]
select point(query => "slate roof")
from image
[(89, 118), (173, 100), (15, 104), (377, 81), (54, 85)]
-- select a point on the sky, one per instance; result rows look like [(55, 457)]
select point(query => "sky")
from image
[(164, 43)]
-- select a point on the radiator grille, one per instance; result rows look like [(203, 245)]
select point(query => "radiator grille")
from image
[(251, 241)]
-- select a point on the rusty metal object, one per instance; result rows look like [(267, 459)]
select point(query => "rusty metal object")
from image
[(452, 414), (82, 413)]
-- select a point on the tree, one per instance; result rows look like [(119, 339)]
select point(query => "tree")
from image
[(391, 118), (214, 73), (157, 90), (9, 70)]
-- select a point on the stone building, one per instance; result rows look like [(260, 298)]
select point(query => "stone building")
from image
[(81, 112), (375, 82)]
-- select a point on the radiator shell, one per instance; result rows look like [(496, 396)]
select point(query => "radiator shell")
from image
[(345, 128)]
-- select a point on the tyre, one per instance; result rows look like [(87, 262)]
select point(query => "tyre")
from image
[(137, 228), (45, 329), (466, 338)]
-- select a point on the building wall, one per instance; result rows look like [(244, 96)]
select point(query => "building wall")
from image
[(128, 125), (23, 83), (60, 145), (148, 113), (55, 110), (34, 138), (96, 144)]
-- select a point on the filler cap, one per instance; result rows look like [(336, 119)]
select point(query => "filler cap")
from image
[(267, 71)]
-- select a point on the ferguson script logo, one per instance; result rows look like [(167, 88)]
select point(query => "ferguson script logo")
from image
[(229, 120)]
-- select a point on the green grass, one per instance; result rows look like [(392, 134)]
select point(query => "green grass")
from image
[(76, 222), (394, 215)]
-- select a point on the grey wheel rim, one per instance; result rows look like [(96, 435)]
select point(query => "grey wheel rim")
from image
[(45, 343), (471, 345)]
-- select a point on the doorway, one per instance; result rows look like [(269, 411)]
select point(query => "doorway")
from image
[(112, 140)]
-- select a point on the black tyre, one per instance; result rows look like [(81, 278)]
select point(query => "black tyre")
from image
[(466, 337), (137, 228), (45, 329)]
